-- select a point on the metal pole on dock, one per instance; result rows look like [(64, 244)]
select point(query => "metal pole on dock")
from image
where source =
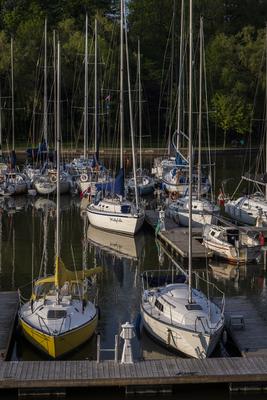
[(98, 348)]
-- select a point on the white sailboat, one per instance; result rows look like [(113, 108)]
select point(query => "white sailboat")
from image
[(252, 209), (177, 315), (59, 316), (145, 183), (115, 213), (204, 211)]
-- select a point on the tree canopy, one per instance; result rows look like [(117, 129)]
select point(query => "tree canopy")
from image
[(234, 62)]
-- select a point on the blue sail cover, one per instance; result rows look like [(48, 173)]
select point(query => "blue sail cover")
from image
[(116, 186), (179, 160)]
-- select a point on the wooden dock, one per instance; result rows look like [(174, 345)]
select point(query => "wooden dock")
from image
[(8, 313), (246, 326), (176, 237), (77, 374)]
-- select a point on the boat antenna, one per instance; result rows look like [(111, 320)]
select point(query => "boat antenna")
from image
[(190, 156)]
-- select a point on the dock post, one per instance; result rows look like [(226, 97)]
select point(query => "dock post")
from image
[(98, 348), (127, 334), (116, 349)]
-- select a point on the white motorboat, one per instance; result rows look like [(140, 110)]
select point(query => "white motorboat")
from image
[(203, 211), (251, 210), (231, 243)]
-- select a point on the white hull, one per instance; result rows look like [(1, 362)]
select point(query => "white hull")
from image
[(245, 254), (193, 344), (122, 223), (198, 219)]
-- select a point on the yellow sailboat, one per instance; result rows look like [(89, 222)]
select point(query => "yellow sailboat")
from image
[(59, 316)]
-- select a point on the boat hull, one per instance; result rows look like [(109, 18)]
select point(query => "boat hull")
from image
[(122, 223), (192, 343), (57, 346)]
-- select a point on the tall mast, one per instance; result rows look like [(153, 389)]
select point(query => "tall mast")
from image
[(96, 91), (12, 94), (266, 106), (0, 120), (85, 124), (45, 84), (171, 79), (140, 105), (58, 150), (121, 86), (55, 87), (180, 74), (200, 108), (131, 119), (190, 156)]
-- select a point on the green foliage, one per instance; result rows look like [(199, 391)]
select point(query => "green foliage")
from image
[(234, 47)]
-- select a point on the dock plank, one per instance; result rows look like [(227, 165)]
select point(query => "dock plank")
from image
[(9, 302)]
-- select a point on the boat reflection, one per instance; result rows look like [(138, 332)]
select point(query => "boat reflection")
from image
[(121, 246)]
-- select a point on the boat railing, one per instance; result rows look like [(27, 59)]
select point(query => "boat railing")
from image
[(205, 324), (41, 320)]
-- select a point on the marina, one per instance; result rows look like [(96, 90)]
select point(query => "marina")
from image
[(140, 376), (133, 200)]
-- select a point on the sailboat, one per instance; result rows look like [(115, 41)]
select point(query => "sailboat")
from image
[(204, 211), (178, 315), (89, 170), (59, 316), (252, 209), (145, 183), (114, 212)]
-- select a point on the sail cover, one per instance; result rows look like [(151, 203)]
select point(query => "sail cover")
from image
[(116, 186)]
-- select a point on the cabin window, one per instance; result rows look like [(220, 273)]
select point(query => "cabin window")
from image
[(159, 305), (246, 204), (125, 209), (212, 233), (193, 307), (56, 314)]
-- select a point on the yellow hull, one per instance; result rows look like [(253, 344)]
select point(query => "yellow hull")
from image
[(56, 346)]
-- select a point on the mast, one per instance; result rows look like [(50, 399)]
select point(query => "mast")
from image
[(45, 85), (58, 150), (266, 106), (55, 87), (190, 156), (96, 91), (140, 105), (180, 74), (171, 79), (85, 124), (121, 86), (12, 93), (200, 108), (0, 120)]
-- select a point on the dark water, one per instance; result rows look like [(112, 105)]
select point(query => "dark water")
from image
[(27, 229)]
